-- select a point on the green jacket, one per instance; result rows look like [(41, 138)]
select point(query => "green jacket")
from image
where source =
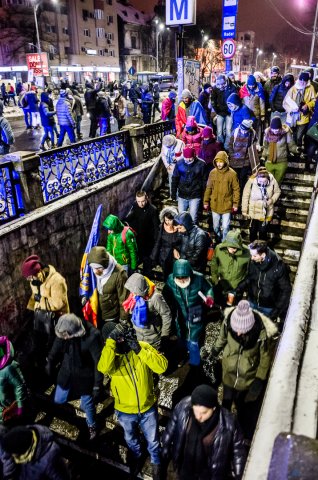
[(131, 376), (188, 299), (12, 386), (241, 366), (124, 253), (230, 269)]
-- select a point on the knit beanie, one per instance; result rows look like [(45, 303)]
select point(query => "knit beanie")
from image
[(205, 396), (247, 124), (98, 255), (235, 99), (188, 152), (107, 329), (172, 95), (17, 441), (207, 85), (186, 94), (221, 157), (242, 318), (275, 69), (207, 132), (304, 76), (276, 123), (69, 326), (169, 140), (31, 266), (251, 80), (262, 172)]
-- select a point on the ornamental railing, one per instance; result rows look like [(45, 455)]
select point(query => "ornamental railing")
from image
[(67, 169), (152, 137), (11, 202)]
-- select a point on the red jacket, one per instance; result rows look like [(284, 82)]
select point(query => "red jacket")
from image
[(192, 140)]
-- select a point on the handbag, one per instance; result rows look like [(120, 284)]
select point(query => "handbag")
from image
[(312, 132), (45, 320)]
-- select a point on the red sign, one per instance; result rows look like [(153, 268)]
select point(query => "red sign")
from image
[(39, 65)]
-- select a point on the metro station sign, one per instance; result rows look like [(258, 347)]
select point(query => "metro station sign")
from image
[(181, 12), (39, 65), (229, 18)]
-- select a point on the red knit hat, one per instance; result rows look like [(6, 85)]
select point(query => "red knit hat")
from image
[(31, 266), (188, 152)]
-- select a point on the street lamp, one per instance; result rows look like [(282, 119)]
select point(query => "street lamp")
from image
[(160, 28), (313, 39), (259, 52), (274, 56)]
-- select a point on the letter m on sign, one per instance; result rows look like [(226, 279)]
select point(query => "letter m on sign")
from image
[(180, 12)]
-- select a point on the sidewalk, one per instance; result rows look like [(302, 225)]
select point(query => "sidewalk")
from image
[(13, 112)]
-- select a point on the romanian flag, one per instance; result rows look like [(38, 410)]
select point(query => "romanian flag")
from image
[(88, 284)]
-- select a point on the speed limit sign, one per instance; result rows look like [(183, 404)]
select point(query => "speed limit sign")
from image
[(228, 48)]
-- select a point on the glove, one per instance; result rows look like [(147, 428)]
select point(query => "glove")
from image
[(37, 297), (209, 302), (36, 283), (117, 333), (255, 390), (134, 345), (84, 300), (164, 344)]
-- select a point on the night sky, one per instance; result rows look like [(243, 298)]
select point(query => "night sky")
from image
[(257, 15)]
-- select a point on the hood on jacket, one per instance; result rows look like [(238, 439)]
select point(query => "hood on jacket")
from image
[(182, 268), (234, 99), (112, 222), (69, 326), (98, 255), (233, 240), (140, 285), (191, 123), (168, 210), (185, 219), (269, 325), (288, 77), (6, 352), (45, 97), (221, 156)]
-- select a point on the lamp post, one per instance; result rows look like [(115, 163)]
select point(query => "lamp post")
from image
[(160, 28), (313, 39), (35, 9), (259, 52), (273, 59)]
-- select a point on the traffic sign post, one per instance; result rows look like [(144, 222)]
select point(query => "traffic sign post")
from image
[(229, 31), (132, 71), (228, 49)]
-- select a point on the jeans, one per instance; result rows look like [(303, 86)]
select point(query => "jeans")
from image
[(217, 218), (265, 310), (70, 132), (224, 129), (148, 424), (48, 133), (87, 404), (103, 125), (193, 205), (35, 119), (27, 117)]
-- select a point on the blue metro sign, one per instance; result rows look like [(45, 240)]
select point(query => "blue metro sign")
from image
[(229, 18)]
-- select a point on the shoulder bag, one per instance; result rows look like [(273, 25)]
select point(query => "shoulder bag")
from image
[(45, 320)]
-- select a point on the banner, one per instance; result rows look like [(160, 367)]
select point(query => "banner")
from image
[(39, 64), (88, 285)]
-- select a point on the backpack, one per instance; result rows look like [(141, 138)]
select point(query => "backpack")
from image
[(210, 248), (124, 233)]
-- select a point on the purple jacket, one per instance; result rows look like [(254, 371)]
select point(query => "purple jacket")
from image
[(208, 151)]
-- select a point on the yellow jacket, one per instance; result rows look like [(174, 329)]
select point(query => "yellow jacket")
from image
[(131, 375), (309, 99)]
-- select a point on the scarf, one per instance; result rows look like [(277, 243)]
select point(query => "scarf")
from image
[(299, 96), (195, 458), (272, 138), (5, 348), (272, 152), (264, 194), (137, 305), (28, 455), (103, 279)]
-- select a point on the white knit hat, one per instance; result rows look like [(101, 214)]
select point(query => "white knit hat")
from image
[(242, 318)]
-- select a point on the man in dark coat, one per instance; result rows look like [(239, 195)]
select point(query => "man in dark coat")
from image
[(30, 452), (204, 99), (267, 282), (204, 439), (146, 103), (90, 97), (78, 347), (223, 89), (144, 219)]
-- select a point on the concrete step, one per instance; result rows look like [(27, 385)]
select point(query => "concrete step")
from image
[(297, 187)]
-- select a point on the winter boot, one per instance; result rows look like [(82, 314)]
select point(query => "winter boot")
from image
[(156, 471)]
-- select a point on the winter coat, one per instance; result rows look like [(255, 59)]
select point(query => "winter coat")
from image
[(219, 99), (194, 243), (32, 101), (252, 202), (162, 252), (126, 252), (187, 299), (208, 150), (309, 98), (314, 118), (103, 107), (268, 284), (145, 222), (120, 105), (227, 448), (204, 99), (269, 85), (47, 462), (159, 316), (78, 358), (239, 144), (195, 110), (284, 146), (131, 376), (222, 190), (134, 93), (170, 155), (278, 94), (188, 180), (90, 97), (230, 269), (53, 293), (146, 102), (242, 113), (77, 106), (64, 113), (240, 366), (168, 110), (254, 101), (12, 385), (114, 292), (192, 140), (47, 116)]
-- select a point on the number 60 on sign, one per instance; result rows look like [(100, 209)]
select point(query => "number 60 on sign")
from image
[(228, 48)]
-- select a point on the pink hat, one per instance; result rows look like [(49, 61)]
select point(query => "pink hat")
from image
[(242, 318), (31, 266), (191, 123), (207, 132), (188, 152)]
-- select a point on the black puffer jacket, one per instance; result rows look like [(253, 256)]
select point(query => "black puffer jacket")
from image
[(279, 93), (268, 284), (219, 98), (194, 243), (227, 448), (189, 179)]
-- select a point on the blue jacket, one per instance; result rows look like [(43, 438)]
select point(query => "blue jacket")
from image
[(32, 101), (243, 113), (47, 116), (64, 113), (189, 180)]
